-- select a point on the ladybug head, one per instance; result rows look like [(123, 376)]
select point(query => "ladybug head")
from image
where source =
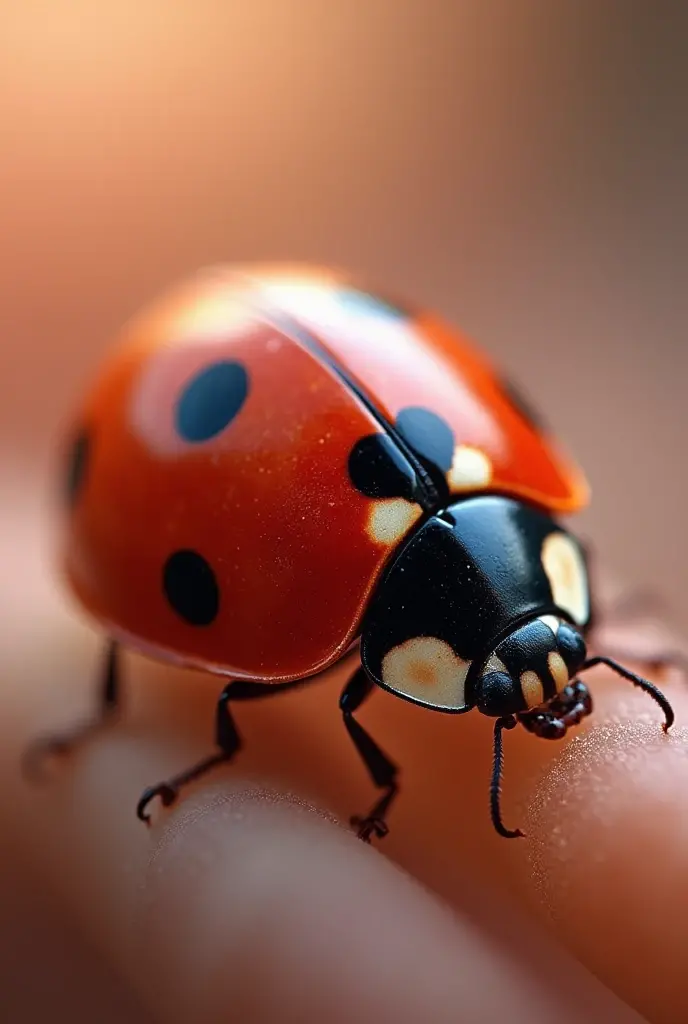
[(531, 674), (486, 607)]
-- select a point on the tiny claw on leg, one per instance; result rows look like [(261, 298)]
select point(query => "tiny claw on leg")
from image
[(374, 823), (167, 794), (370, 826)]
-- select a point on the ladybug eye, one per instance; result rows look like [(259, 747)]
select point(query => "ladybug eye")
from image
[(498, 695), (571, 646)]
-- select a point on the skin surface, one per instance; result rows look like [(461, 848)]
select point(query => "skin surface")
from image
[(520, 165), (252, 897)]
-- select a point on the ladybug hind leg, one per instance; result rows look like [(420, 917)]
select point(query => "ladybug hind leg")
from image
[(61, 744), (382, 771), (227, 739)]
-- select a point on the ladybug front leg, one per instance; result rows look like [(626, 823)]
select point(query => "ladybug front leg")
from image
[(382, 771), (63, 743), (227, 739), (653, 662)]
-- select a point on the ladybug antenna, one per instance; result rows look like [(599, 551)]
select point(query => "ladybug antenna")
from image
[(496, 784), (639, 681)]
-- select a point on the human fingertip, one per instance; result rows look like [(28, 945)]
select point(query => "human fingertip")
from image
[(182, 828), (607, 861), (263, 906)]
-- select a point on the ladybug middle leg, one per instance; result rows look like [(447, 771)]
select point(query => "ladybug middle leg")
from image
[(382, 771), (227, 739)]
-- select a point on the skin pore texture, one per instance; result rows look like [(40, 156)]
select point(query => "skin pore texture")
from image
[(253, 901)]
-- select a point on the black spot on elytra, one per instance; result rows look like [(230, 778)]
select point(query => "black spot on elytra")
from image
[(77, 465), (522, 404), (382, 466), (211, 400), (431, 437), (432, 441), (191, 588), (378, 469)]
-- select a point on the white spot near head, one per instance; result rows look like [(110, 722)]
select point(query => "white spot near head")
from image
[(532, 689), (551, 621), (470, 469), (495, 664), (390, 519), (428, 670), (558, 670), (563, 563)]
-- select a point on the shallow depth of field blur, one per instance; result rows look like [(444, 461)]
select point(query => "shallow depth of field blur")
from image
[(521, 166)]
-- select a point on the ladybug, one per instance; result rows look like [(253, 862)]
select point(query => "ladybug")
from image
[(276, 467)]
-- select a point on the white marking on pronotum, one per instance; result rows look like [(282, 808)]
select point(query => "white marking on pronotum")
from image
[(428, 670), (551, 621), (495, 664), (565, 568)]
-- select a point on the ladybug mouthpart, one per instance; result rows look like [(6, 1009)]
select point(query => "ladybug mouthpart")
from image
[(554, 719)]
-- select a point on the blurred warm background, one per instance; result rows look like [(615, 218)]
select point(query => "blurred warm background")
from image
[(518, 164)]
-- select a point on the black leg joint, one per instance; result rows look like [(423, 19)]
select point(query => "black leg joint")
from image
[(382, 771)]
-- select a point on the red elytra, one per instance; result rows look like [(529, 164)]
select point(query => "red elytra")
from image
[(213, 515)]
